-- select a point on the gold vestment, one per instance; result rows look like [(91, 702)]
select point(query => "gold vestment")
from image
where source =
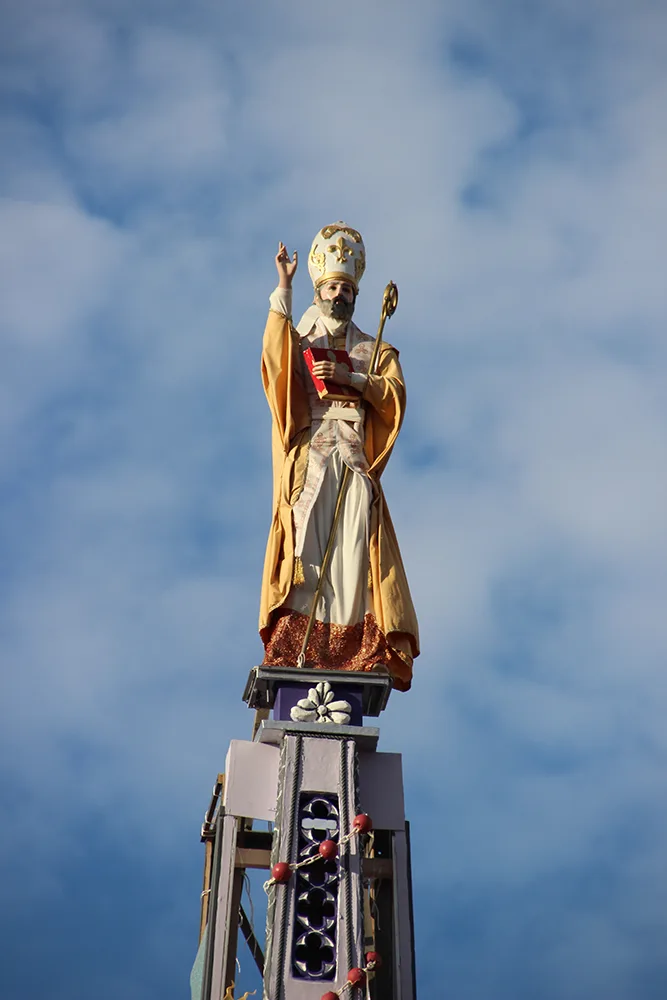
[(392, 625)]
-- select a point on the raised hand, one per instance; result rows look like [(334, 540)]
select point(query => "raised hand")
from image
[(286, 268)]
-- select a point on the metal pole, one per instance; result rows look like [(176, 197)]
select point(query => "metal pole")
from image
[(251, 940), (213, 908)]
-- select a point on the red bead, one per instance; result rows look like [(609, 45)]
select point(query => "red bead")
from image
[(328, 849), (356, 977), (329, 996), (362, 823), (281, 872), (372, 956)]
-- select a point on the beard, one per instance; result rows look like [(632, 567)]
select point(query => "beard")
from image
[(337, 309)]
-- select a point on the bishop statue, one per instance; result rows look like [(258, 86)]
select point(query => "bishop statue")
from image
[(331, 413)]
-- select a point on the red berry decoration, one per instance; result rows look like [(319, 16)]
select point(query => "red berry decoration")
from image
[(356, 977), (372, 956), (362, 823), (329, 996), (281, 872), (328, 849)]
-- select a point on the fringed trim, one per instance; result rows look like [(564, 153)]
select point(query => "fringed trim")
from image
[(298, 578), (369, 580)]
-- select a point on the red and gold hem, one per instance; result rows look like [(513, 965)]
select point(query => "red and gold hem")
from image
[(359, 647)]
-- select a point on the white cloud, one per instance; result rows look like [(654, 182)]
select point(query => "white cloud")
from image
[(56, 263), (168, 117)]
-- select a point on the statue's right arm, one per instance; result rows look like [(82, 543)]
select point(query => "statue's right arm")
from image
[(279, 351), (277, 371), (280, 301)]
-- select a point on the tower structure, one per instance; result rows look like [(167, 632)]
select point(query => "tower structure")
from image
[(334, 597), (339, 918)]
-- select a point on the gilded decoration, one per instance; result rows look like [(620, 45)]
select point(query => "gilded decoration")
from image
[(342, 249), (359, 267), (318, 259), (328, 232)]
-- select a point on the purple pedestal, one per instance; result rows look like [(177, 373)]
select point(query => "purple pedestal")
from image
[(289, 693)]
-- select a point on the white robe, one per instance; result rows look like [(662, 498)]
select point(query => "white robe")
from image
[(336, 441)]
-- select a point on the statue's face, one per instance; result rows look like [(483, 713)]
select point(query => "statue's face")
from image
[(336, 299), (337, 288)]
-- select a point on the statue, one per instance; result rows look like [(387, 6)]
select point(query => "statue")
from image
[(334, 424)]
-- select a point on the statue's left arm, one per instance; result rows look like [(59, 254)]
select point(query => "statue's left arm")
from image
[(384, 394)]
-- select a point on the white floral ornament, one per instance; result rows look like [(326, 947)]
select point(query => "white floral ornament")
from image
[(320, 706)]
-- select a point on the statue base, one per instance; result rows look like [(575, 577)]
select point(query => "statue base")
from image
[(325, 912)]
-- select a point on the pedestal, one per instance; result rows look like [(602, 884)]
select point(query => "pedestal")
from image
[(310, 778)]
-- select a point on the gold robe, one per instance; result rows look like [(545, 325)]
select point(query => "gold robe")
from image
[(394, 623)]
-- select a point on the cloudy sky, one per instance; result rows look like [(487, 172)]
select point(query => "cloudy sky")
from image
[(506, 163)]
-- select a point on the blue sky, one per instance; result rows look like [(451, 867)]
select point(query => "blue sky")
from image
[(505, 162)]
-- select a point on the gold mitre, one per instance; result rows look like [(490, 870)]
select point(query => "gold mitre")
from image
[(337, 252)]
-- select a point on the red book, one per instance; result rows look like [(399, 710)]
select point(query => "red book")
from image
[(326, 389)]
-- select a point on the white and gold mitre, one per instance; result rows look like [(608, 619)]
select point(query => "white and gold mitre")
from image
[(337, 252)]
